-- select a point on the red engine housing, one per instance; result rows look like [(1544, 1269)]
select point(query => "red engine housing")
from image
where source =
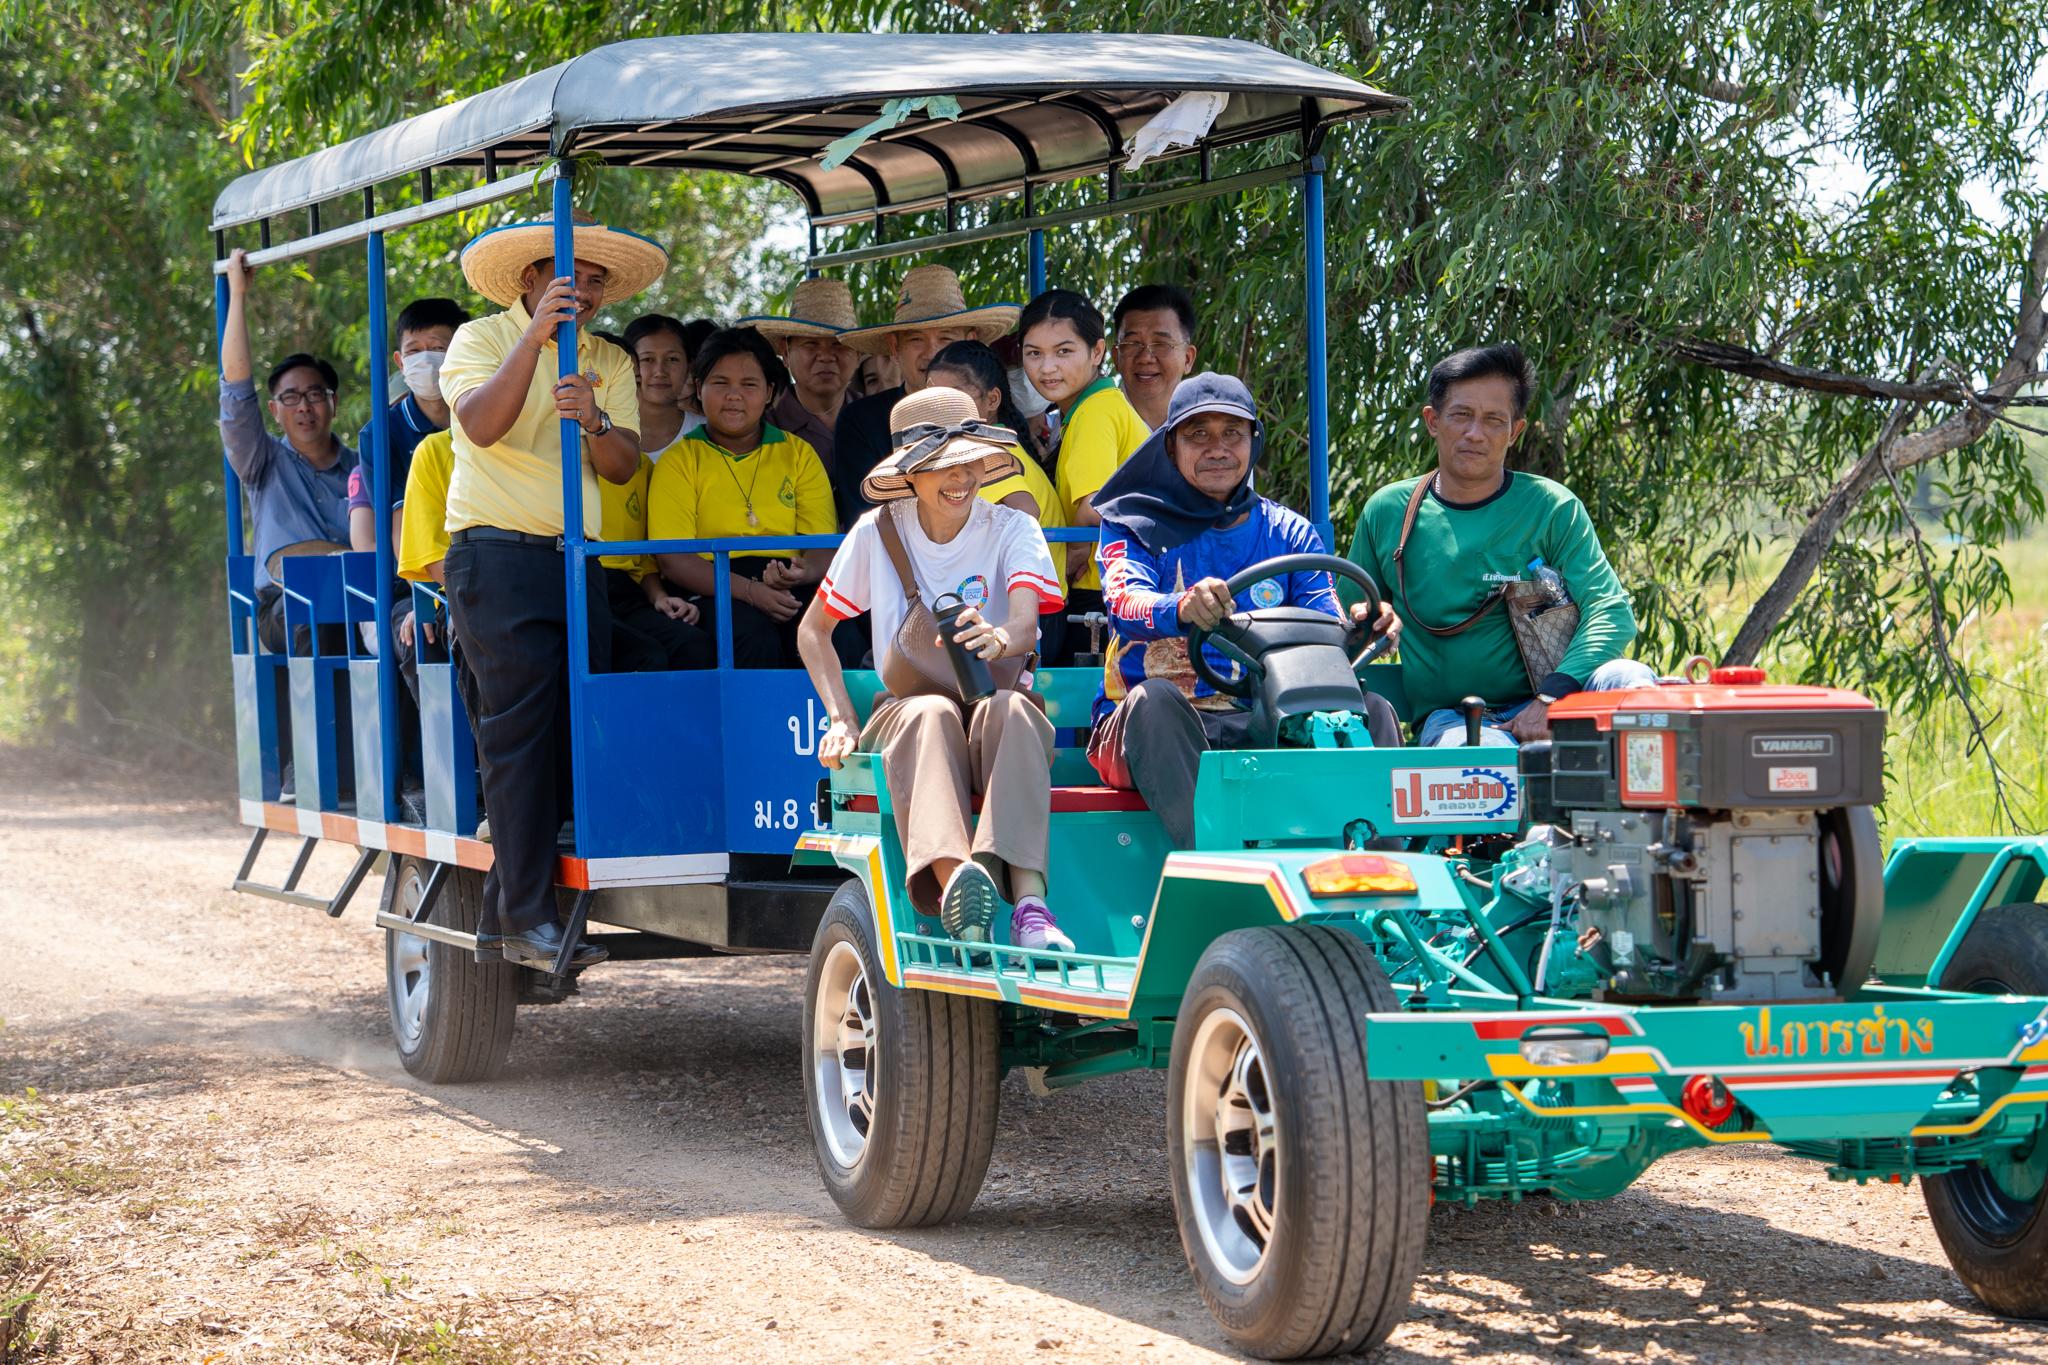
[(1720, 745)]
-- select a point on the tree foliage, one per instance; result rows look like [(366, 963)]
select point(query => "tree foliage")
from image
[(1596, 180)]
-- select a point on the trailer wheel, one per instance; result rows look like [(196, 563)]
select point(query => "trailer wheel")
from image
[(1992, 1216), (901, 1084), (451, 1017), (1301, 1187)]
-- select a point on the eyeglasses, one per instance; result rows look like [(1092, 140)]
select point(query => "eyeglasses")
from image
[(291, 398), (1158, 350)]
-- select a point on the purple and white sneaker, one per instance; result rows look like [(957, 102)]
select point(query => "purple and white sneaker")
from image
[(1032, 926)]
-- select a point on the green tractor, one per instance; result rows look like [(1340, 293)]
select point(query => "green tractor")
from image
[(1390, 976)]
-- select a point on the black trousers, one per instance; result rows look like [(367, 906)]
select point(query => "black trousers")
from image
[(644, 640), (1153, 744), (758, 639), (510, 608)]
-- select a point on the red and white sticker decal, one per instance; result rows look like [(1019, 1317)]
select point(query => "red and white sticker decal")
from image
[(1795, 779)]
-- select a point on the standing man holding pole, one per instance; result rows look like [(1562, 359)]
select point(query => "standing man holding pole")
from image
[(506, 576)]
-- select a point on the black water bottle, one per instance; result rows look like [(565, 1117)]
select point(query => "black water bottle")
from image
[(970, 671)]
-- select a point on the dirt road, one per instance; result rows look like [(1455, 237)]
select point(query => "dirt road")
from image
[(223, 1163)]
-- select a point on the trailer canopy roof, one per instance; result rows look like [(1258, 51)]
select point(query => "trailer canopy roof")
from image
[(1035, 109)]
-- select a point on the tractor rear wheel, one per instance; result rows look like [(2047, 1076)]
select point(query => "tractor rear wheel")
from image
[(1992, 1216), (1301, 1187), (451, 1016), (901, 1085)]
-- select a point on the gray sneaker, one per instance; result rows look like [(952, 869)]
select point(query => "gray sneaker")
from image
[(968, 905)]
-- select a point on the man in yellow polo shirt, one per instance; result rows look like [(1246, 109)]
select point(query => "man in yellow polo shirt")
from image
[(507, 589)]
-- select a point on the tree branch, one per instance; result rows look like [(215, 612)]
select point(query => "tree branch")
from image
[(1743, 361), (1893, 450)]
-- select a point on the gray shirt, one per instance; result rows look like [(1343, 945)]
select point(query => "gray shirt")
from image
[(289, 500)]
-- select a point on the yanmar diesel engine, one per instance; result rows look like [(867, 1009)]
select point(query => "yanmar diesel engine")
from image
[(1706, 841)]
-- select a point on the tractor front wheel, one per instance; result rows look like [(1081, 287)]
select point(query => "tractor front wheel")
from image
[(1992, 1216), (1301, 1187), (901, 1084)]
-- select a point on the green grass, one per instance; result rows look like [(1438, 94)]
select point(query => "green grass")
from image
[(1934, 784)]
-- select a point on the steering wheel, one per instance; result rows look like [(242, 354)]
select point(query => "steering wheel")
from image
[(1273, 568)]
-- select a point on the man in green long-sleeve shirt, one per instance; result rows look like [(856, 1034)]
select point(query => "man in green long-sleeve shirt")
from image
[(1481, 525)]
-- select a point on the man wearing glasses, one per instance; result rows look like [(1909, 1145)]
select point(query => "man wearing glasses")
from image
[(1154, 331), (297, 485)]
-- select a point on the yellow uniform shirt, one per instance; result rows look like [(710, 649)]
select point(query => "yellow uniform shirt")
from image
[(625, 518), (1051, 512), (1102, 431), (701, 492), (423, 530), (516, 485)]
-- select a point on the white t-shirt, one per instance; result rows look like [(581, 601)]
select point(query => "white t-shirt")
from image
[(998, 549)]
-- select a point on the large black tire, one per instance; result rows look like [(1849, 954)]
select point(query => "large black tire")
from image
[(1302, 1188), (451, 1016), (1992, 1218), (901, 1085)]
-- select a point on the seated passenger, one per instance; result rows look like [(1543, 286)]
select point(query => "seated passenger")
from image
[(653, 629), (931, 313), (425, 327), (422, 546), (1099, 429), (1472, 526), (661, 372), (297, 484), (820, 365), (738, 475), (972, 368), (930, 537), (1177, 522), (1153, 328)]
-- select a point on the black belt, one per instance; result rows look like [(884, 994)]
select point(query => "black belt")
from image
[(473, 533)]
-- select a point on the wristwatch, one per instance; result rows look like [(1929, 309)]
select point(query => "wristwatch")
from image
[(604, 425), (1546, 699)]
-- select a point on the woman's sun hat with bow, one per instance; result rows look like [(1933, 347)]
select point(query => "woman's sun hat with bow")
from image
[(931, 297), (817, 308), (937, 428), (493, 261)]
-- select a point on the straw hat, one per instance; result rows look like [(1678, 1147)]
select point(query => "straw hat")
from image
[(937, 428), (931, 297), (493, 261), (818, 308)]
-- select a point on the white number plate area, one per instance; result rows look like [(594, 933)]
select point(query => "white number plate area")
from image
[(1456, 795), (1794, 779)]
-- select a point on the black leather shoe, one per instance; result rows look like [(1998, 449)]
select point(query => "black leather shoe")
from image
[(490, 948), (539, 946)]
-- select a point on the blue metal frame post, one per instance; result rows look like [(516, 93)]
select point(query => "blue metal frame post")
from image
[(1037, 280), (574, 566), (232, 481), (380, 512), (1318, 355)]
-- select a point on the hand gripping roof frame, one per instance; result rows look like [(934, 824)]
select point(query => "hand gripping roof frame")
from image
[(1035, 109)]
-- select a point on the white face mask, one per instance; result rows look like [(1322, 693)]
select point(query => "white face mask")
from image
[(423, 373)]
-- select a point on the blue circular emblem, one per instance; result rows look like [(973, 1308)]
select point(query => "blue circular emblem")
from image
[(1267, 593)]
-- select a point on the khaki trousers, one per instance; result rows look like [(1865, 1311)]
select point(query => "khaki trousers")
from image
[(934, 766)]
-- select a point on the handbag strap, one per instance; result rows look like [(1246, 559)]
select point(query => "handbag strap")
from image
[(1493, 598), (892, 541)]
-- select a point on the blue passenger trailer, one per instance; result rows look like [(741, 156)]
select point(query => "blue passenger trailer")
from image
[(691, 788)]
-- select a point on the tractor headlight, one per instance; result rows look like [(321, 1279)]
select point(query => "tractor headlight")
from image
[(1562, 1047)]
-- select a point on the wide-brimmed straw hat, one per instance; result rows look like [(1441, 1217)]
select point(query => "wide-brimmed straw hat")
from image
[(818, 308), (493, 261), (931, 297), (937, 428)]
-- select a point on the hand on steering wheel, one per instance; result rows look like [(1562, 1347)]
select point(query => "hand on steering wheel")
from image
[(1198, 636)]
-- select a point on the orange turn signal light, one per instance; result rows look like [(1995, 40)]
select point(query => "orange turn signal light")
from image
[(1359, 874)]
